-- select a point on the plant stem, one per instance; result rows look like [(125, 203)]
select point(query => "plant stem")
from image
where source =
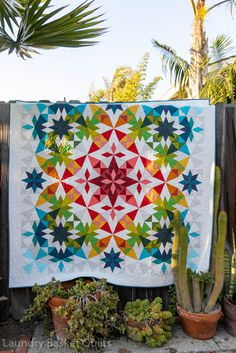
[(193, 6), (183, 277), (175, 257), (197, 306), (219, 268)]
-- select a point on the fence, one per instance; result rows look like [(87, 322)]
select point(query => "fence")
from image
[(225, 158)]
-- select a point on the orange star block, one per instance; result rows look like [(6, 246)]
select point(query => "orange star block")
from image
[(47, 194)]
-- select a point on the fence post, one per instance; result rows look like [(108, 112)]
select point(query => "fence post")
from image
[(4, 235), (226, 159)]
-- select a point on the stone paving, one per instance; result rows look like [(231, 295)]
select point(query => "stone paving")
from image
[(179, 343)]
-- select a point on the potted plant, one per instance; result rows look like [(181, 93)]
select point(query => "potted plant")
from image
[(84, 315), (197, 293), (230, 291), (147, 322)]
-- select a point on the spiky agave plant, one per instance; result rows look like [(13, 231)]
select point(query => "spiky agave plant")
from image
[(29, 25)]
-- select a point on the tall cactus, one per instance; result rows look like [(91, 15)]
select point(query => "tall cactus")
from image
[(175, 257), (183, 278), (217, 188), (219, 265), (179, 263), (197, 300), (179, 267), (227, 270)]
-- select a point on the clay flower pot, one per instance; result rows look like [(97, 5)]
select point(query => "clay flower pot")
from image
[(60, 323), (230, 317), (200, 326), (68, 284)]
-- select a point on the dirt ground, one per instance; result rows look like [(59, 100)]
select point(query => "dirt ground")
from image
[(11, 330)]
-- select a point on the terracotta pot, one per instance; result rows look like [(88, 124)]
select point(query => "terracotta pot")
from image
[(200, 326), (60, 323), (68, 284), (230, 317)]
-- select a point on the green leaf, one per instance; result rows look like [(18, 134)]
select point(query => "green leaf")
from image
[(35, 26), (220, 51), (174, 65)]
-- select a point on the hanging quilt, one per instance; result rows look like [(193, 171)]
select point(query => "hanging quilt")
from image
[(93, 189)]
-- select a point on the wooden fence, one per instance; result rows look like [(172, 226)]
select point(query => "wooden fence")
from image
[(20, 298)]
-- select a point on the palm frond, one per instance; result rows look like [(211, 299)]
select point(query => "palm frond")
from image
[(37, 28), (221, 85), (174, 65), (193, 6), (230, 3), (221, 49), (8, 13)]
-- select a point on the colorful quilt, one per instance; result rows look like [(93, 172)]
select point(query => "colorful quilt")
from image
[(94, 187)]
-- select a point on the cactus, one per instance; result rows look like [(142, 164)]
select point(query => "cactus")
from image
[(215, 229), (197, 300), (175, 257), (183, 278), (227, 269), (219, 265), (200, 283), (179, 263)]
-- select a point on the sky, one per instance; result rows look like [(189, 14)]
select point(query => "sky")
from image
[(132, 24)]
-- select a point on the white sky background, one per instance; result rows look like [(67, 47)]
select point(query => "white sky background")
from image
[(69, 73)]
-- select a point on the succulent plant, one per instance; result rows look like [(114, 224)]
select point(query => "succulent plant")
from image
[(91, 308), (147, 322)]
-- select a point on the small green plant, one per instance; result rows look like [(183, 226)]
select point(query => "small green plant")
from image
[(172, 300), (147, 322), (39, 309), (91, 310), (230, 274)]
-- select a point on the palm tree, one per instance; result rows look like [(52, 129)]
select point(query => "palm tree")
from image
[(221, 85), (29, 25), (126, 85), (191, 77)]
